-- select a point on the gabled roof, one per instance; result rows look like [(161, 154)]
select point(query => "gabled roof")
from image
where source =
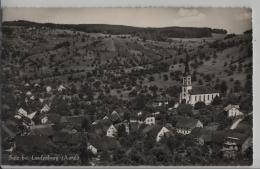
[(184, 122), (114, 116), (202, 90), (154, 129), (237, 137), (230, 106)]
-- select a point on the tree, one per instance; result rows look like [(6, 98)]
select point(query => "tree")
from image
[(86, 124), (185, 109), (151, 79), (223, 87), (237, 86), (154, 89), (216, 101), (173, 91), (199, 105), (165, 77), (163, 155), (121, 131)]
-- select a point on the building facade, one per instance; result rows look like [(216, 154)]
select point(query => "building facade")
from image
[(192, 95)]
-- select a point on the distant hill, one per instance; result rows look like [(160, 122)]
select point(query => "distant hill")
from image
[(144, 33)]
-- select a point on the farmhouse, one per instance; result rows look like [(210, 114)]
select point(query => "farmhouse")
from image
[(186, 125), (150, 120), (192, 95), (234, 144), (233, 111)]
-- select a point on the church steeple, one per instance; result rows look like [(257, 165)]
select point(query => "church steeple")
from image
[(187, 74), (186, 83), (187, 67)]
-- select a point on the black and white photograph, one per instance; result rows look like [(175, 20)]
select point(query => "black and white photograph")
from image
[(127, 86)]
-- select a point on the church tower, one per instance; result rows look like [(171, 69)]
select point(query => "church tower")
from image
[(186, 82)]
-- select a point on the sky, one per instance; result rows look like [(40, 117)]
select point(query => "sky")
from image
[(234, 20)]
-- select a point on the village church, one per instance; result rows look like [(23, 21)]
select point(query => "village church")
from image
[(193, 94)]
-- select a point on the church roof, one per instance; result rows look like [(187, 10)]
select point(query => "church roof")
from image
[(184, 122), (202, 90)]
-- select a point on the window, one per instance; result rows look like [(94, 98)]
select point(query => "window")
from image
[(204, 97), (212, 96), (208, 97), (199, 98), (195, 98)]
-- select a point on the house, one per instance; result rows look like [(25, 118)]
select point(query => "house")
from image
[(126, 126), (105, 117), (233, 111), (150, 120), (111, 131), (45, 108), (44, 120), (101, 127), (61, 88), (193, 94), (162, 133), (92, 149), (234, 144), (186, 125), (115, 117), (103, 143), (22, 112), (160, 101), (48, 89), (152, 130)]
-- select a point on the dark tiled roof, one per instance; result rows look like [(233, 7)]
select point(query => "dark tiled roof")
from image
[(114, 116), (153, 129), (202, 90), (186, 122), (241, 137)]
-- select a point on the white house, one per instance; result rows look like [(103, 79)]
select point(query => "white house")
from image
[(28, 93), (30, 116), (150, 120), (193, 94), (92, 149), (111, 131), (186, 125), (233, 111), (48, 89), (105, 117), (45, 108), (21, 111), (161, 133), (61, 88)]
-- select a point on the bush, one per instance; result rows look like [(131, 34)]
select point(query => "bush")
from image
[(199, 105)]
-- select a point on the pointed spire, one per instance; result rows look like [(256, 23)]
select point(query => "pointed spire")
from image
[(187, 68)]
